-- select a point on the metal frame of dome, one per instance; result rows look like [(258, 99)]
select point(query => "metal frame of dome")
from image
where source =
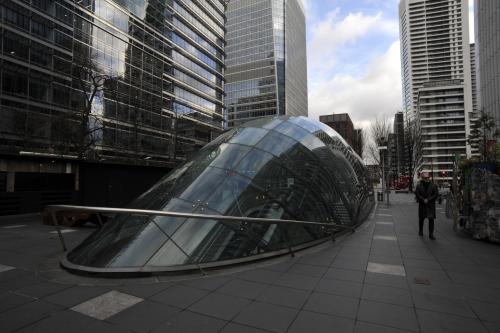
[(274, 169)]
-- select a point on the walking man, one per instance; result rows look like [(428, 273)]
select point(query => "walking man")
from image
[(427, 194)]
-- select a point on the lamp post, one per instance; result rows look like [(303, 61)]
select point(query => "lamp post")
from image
[(381, 149)]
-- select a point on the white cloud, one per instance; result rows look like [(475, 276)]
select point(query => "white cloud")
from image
[(331, 34), (375, 93)]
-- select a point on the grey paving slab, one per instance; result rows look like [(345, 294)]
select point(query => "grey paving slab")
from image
[(492, 327), (297, 281), (319, 323), (396, 316), (308, 270), (386, 280), (332, 305), (281, 267), (395, 259), (290, 297), (26, 314), (354, 264), (260, 275), (317, 260), (143, 316), (207, 283), (75, 295), (362, 327), (242, 288), (441, 303), (435, 322), (70, 321), (10, 300), (267, 316), (486, 311), (339, 287), (42, 289), (435, 276), (345, 274), (106, 305), (238, 328), (375, 267), (190, 322), (384, 294), (17, 279), (179, 296), (143, 290), (220, 306), (424, 264)]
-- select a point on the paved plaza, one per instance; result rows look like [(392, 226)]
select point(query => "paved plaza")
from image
[(383, 278)]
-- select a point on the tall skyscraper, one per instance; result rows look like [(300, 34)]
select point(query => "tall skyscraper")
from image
[(487, 33), (266, 69), (436, 75), (122, 82)]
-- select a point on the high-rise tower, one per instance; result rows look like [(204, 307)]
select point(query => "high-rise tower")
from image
[(436, 73), (266, 69), (487, 23)]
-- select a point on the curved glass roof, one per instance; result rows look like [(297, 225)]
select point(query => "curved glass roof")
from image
[(289, 168)]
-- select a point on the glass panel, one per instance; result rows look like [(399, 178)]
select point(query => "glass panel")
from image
[(275, 143), (248, 136)]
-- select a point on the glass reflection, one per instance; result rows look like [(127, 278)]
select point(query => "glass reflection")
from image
[(280, 168)]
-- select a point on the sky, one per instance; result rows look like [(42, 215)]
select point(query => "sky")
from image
[(353, 58)]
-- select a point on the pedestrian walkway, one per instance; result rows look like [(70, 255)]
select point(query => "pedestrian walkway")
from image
[(382, 278)]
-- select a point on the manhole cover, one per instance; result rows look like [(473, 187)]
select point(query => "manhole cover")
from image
[(422, 280)]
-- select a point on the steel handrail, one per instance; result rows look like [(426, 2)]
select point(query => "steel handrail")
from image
[(53, 209)]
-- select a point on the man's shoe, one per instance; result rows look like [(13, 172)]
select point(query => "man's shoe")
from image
[(432, 237)]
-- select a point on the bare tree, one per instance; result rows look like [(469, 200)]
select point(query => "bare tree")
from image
[(92, 83), (378, 135), (483, 128)]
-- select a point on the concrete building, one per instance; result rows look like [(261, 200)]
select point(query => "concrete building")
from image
[(358, 141), (400, 153), (442, 127), (435, 59), (266, 68), (487, 38), (340, 122), (108, 86)]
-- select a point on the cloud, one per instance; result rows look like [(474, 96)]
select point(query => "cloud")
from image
[(376, 92), (331, 34)]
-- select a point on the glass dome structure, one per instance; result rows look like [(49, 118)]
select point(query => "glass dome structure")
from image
[(288, 168)]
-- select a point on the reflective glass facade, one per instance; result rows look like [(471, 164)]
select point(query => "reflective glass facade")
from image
[(266, 70), (163, 61), (289, 168)]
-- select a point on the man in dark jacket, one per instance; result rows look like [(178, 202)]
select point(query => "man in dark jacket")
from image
[(426, 193)]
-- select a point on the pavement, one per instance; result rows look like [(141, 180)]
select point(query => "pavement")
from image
[(382, 278)]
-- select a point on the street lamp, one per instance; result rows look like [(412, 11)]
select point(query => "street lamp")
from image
[(381, 149)]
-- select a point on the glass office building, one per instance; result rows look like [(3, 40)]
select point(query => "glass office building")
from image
[(266, 69), (287, 168), (151, 72)]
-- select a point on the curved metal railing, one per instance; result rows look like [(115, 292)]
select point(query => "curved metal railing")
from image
[(54, 209)]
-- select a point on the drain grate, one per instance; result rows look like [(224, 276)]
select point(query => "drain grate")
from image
[(422, 280)]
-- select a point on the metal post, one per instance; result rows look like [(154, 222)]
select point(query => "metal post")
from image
[(54, 219), (383, 176)]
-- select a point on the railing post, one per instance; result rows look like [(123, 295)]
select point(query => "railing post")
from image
[(284, 234), (58, 228)]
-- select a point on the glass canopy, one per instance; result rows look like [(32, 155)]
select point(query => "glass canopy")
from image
[(290, 168)]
